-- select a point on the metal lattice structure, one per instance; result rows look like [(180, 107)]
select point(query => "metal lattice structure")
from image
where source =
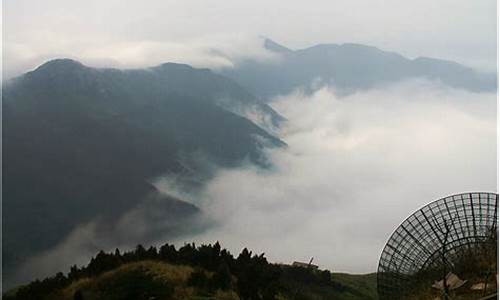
[(450, 223)]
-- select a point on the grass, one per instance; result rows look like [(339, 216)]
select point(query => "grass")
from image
[(363, 286), (174, 276)]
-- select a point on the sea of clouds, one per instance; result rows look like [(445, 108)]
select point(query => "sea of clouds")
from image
[(355, 167)]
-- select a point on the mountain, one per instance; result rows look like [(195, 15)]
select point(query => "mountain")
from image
[(190, 272), (348, 67), (83, 144)]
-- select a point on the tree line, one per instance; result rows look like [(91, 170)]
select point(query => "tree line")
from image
[(250, 275)]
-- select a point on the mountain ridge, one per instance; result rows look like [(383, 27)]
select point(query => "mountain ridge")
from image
[(348, 67), (233, 98), (87, 143)]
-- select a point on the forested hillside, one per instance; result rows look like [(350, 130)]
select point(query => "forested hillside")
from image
[(190, 272), (83, 144)]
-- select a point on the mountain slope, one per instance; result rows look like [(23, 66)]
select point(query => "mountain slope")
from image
[(82, 143), (348, 67), (190, 272)]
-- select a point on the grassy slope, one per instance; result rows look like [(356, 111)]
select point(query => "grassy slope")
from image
[(349, 287), (172, 276), (364, 284), (175, 279)]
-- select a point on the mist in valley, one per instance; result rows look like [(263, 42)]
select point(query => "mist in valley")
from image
[(354, 167)]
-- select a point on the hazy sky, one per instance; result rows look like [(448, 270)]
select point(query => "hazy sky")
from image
[(139, 33)]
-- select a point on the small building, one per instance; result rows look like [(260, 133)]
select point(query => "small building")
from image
[(304, 265), (452, 282)]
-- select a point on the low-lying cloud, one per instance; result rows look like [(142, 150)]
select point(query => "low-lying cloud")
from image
[(356, 166), (149, 221), (215, 51)]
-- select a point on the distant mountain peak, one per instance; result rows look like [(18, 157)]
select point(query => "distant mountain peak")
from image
[(350, 67), (359, 46), (275, 47), (170, 67), (61, 68), (61, 63), (62, 72), (351, 47), (173, 65), (430, 60)]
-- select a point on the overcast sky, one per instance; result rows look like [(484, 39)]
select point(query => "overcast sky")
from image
[(140, 33)]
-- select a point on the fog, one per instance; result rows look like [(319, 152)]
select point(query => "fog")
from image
[(355, 167), (219, 51), (149, 222), (139, 34)]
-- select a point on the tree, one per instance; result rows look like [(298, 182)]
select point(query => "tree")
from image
[(222, 277), (326, 276), (168, 253), (444, 229)]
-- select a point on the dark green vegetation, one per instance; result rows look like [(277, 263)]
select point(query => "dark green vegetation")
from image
[(83, 144), (349, 67), (204, 272)]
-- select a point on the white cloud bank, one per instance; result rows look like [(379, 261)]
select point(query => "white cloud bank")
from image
[(355, 167), (218, 51)]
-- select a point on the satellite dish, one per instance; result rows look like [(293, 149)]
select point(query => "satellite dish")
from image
[(434, 241)]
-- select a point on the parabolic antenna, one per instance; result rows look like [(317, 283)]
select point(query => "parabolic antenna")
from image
[(436, 239)]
